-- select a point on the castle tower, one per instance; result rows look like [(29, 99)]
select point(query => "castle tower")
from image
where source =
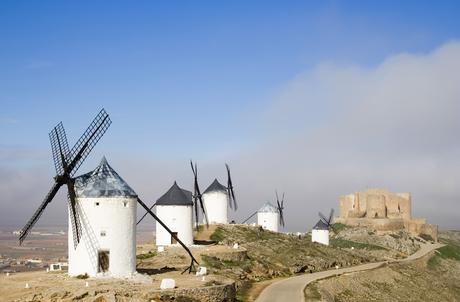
[(215, 199), (376, 207), (107, 209), (175, 209)]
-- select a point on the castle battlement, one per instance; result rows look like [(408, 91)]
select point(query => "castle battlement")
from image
[(384, 211)]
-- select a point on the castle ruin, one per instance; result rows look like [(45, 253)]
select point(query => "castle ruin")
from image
[(383, 211)]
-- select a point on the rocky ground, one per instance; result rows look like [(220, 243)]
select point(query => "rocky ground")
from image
[(261, 256), (152, 267), (387, 245), (435, 277), (271, 255), (57, 286)]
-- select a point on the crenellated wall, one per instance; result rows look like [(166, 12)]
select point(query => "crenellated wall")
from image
[(382, 210)]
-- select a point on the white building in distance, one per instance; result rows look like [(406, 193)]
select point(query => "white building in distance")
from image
[(175, 209), (107, 210), (268, 217), (215, 200), (320, 233)]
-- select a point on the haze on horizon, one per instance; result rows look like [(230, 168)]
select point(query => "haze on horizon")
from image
[(315, 100)]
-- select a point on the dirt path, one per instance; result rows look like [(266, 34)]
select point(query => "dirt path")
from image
[(292, 289)]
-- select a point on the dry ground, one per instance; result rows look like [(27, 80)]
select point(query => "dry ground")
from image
[(435, 277)]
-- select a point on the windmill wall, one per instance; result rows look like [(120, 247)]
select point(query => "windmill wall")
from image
[(108, 225), (384, 211), (320, 236), (268, 220), (178, 218), (216, 207)]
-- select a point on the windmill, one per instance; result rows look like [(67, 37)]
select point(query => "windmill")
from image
[(269, 216), (320, 232), (217, 198), (197, 197), (67, 161)]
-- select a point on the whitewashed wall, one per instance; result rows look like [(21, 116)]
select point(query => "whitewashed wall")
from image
[(178, 219), (320, 236), (216, 207), (116, 216), (268, 220)]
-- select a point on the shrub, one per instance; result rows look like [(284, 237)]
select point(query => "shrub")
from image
[(338, 242), (426, 237), (218, 235), (338, 227), (148, 255), (85, 276)]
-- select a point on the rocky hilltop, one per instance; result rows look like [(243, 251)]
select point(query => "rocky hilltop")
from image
[(239, 260), (435, 277)]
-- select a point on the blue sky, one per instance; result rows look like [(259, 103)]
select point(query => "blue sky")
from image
[(186, 79), (187, 65)]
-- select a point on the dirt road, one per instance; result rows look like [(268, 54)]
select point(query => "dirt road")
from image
[(292, 289)]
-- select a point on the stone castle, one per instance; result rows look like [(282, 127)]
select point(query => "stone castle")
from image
[(383, 211)]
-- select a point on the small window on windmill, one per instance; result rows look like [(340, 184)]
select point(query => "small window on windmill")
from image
[(125, 204), (96, 203), (103, 234)]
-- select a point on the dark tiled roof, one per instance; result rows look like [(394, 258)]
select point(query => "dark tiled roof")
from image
[(175, 197), (102, 182), (320, 225), (215, 186)]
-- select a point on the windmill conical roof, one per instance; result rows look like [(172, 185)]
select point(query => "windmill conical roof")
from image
[(216, 186), (268, 208), (175, 196), (102, 182), (320, 225)]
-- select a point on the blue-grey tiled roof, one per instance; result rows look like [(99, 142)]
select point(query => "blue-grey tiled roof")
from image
[(102, 182), (268, 208)]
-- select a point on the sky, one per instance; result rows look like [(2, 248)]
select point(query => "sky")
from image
[(316, 100)]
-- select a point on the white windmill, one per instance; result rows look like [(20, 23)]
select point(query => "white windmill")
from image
[(269, 216), (320, 232), (175, 209), (102, 208), (217, 198), (107, 209)]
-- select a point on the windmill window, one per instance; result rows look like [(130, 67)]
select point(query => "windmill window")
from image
[(103, 234), (96, 203), (125, 204)]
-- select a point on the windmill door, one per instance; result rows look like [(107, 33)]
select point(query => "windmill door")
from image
[(103, 261), (173, 240)]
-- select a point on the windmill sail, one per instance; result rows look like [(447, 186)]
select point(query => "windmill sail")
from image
[(231, 193), (67, 163)]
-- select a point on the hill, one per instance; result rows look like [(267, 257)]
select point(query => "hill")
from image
[(435, 277)]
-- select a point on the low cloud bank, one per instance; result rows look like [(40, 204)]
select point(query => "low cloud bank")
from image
[(331, 131)]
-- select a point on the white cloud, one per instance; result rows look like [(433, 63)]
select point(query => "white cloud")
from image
[(339, 129), (330, 131)]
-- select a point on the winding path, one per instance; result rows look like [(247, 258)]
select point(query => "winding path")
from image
[(292, 289)]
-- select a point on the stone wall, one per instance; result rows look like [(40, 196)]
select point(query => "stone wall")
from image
[(420, 227), (383, 224), (215, 293), (376, 203), (384, 211)]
